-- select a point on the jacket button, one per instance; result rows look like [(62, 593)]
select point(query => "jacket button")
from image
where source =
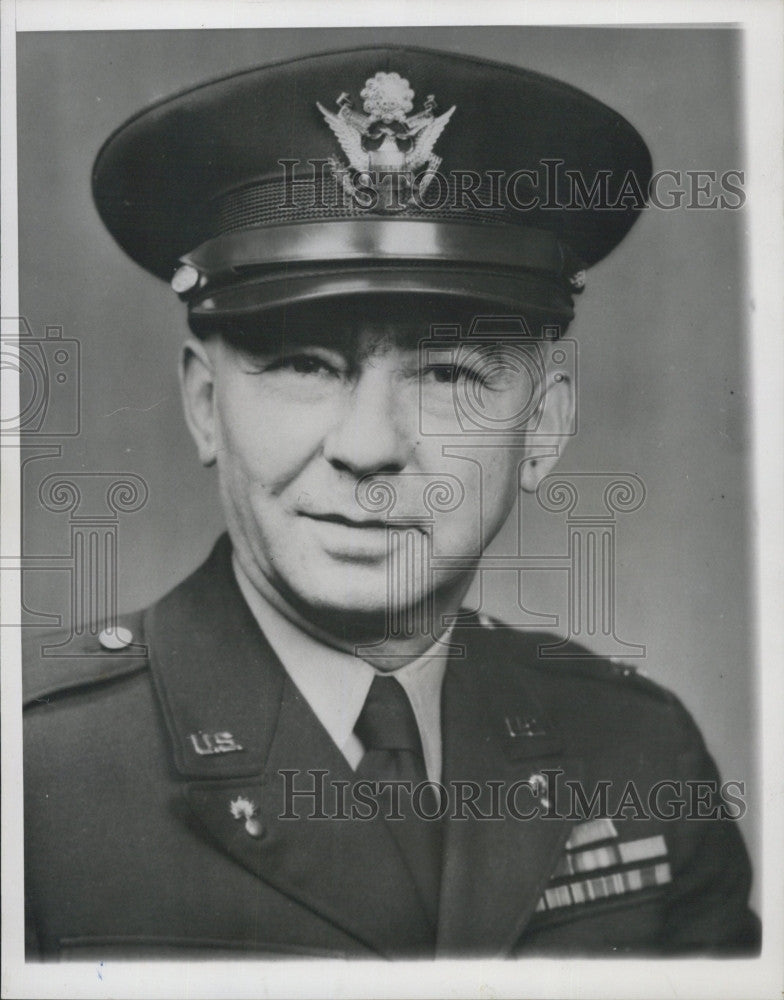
[(116, 638)]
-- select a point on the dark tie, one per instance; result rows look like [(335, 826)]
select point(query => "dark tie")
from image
[(389, 733)]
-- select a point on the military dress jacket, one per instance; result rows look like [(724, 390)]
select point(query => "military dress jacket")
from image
[(155, 820)]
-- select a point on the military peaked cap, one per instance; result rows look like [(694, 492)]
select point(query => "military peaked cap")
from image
[(380, 170)]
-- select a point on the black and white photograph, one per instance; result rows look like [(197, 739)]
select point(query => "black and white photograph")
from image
[(391, 460)]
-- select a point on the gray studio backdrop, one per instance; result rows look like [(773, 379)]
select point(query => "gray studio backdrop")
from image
[(661, 329)]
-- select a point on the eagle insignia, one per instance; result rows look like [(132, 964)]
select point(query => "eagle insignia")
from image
[(385, 143)]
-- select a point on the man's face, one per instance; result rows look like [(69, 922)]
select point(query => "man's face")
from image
[(327, 439)]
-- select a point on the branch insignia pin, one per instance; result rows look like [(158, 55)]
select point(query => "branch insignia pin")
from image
[(242, 808)]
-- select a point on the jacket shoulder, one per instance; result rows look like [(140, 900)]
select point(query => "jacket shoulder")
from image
[(597, 702), (568, 662), (55, 664)]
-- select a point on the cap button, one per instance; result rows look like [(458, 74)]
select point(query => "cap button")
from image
[(117, 638), (185, 278)]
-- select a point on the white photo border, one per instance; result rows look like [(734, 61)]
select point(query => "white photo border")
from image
[(762, 22)]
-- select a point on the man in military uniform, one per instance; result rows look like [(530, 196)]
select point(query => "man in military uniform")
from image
[(307, 748)]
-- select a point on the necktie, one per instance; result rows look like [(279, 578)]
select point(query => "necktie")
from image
[(389, 733)]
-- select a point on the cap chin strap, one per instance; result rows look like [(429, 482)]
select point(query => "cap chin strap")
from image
[(381, 241)]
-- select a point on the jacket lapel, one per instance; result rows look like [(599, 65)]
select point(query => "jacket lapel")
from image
[(349, 871), (496, 730), (219, 681)]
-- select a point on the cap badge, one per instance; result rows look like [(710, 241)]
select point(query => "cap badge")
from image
[(385, 144)]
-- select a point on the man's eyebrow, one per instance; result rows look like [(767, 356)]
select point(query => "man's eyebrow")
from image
[(464, 349), (278, 341), (356, 343)]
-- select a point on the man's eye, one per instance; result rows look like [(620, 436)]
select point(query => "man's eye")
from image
[(452, 374), (304, 364), (441, 373)]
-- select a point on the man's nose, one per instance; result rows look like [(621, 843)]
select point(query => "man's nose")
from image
[(374, 432)]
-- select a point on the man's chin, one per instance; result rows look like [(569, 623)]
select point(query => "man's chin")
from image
[(349, 590), (366, 602)]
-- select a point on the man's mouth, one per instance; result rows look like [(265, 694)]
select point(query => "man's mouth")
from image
[(349, 522), (353, 539)]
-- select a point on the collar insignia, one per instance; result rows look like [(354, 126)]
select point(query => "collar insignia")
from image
[(207, 744), (384, 143), (247, 810)]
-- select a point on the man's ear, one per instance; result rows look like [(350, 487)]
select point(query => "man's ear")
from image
[(556, 418), (197, 384)]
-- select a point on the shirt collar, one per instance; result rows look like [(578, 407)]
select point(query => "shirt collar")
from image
[(335, 683)]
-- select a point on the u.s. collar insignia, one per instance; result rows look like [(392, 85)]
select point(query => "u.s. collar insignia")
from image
[(386, 146), (209, 744)]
